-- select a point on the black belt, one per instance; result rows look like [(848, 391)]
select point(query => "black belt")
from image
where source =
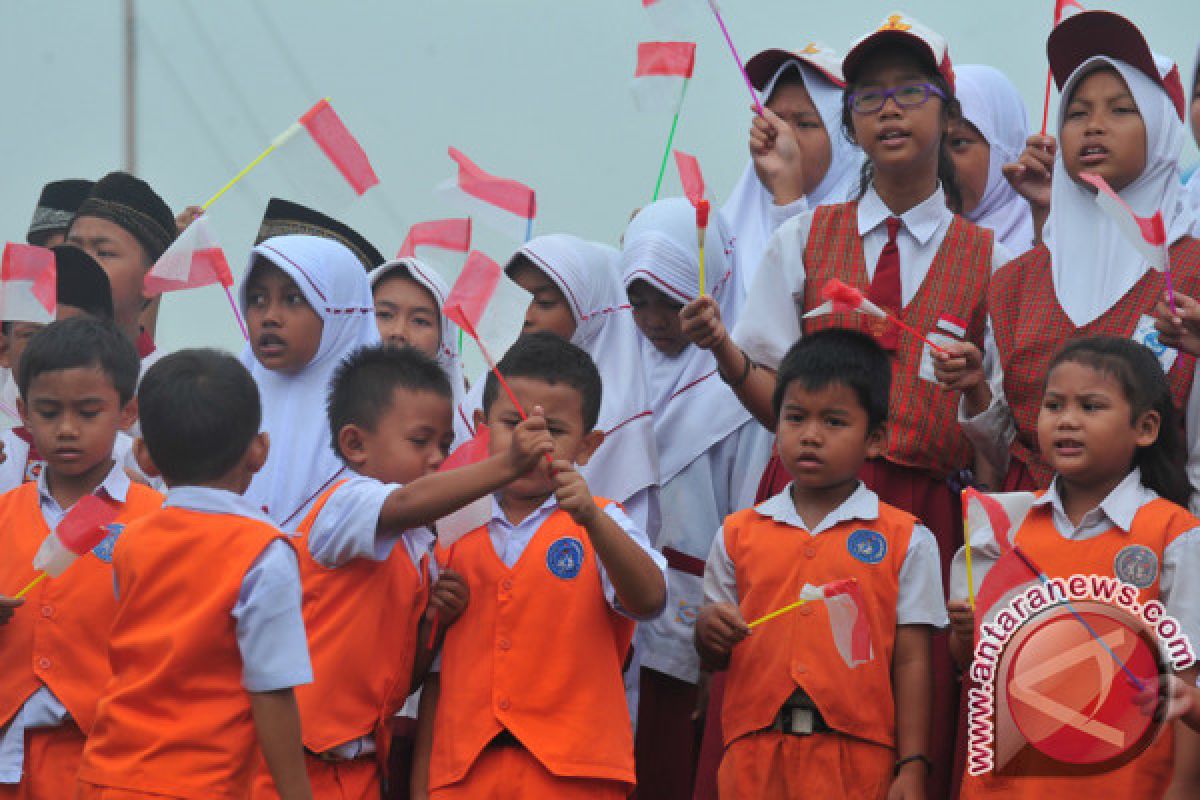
[(799, 717), (505, 738)]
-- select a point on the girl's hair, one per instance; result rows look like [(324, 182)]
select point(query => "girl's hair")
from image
[(951, 111), (1135, 368)]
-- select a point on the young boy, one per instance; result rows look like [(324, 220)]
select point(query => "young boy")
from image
[(208, 639), (76, 380), (531, 701), (363, 552), (797, 719)]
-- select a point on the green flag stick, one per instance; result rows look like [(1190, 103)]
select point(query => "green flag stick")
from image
[(670, 140)]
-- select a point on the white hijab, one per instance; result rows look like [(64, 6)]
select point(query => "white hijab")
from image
[(448, 357), (1093, 265), (693, 408), (587, 274), (747, 212), (1193, 183), (992, 104), (302, 462)]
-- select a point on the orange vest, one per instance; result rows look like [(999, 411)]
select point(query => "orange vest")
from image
[(1118, 554), (361, 620), (60, 636), (538, 652), (174, 718), (772, 563)]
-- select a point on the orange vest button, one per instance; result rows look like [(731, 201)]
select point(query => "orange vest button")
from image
[(43, 663), (47, 611), (506, 584), (811, 552), (504, 705), (505, 644)]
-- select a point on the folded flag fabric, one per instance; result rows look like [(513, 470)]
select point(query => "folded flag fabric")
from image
[(457, 524), (331, 135), (1002, 514), (848, 621), (28, 284), (840, 298), (445, 234), (83, 528), (193, 260), (503, 204), (691, 177), (1147, 234), (471, 293), (663, 70)]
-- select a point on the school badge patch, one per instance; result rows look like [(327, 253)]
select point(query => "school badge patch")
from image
[(867, 546), (564, 559), (104, 550), (1136, 565)]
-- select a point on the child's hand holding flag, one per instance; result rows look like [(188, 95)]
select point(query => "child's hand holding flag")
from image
[(80, 531), (1178, 323)]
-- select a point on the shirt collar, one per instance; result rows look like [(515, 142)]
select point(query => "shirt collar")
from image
[(115, 485), (1119, 507), (921, 221), (862, 504), (498, 514), (208, 500)]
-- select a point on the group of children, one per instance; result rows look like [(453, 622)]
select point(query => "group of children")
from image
[(659, 467)]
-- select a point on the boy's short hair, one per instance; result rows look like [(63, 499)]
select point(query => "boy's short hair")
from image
[(839, 356), (364, 385), (549, 358), (81, 342), (199, 411)]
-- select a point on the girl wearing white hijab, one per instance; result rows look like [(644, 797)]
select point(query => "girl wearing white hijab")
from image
[(1086, 279), (1193, 183), (426, 279), (994, 135), (710, 452), (803, 92), (331, 280)]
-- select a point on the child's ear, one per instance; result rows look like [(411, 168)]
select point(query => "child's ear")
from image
[(587, 447), (145, 463), (877, 441), (352, 445), (1146, 427), (129, 414), (257, 452)]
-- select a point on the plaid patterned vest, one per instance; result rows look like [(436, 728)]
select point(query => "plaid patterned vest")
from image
[(1030, 327), (923, 421)]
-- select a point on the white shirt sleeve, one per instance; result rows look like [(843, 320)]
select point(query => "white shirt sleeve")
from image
[(920, 600), (720, 578), (769, 322), (992, 431), (781, 214), (270, 627), (639, 537), (346, 527), (1178, 587)]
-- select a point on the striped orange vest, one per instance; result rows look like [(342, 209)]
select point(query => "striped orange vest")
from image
[(923, 430)]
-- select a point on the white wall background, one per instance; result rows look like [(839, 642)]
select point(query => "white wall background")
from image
[(532, 89)]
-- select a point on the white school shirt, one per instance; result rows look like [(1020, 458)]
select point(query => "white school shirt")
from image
[(1178, 588), (721, 481), (16, 461), (43, 709), (769, 323), (919, 601), (510, 541)]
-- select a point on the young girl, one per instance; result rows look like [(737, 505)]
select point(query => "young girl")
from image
[(1117, 503), (1121, 118), (799, 158), (991, 133), (908, 252), (308, 305), (710, 454)]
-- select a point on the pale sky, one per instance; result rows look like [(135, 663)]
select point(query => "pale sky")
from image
[(537, 90)]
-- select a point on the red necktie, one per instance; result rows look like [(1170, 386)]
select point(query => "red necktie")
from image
[(885, 289)]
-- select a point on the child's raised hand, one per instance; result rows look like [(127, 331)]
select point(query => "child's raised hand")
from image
[(962, 619), (778, 160), (1179, 327), (572, 493), (1180, 699), (187, 217), (960, 367), (719, 627), (531, 442), (7, 605), (448, 598), (1031, 173), (701, 323)]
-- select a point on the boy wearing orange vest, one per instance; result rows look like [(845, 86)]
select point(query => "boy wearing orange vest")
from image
[(208, 638), (76, 381), (531, 703), (363, 562), (800, 718)]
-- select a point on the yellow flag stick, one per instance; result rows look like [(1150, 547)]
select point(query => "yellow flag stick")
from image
[(778, 613), (702, 209), (30, 586), (967, 551), (278, 142)]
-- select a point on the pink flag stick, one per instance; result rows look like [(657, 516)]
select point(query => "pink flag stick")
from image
[(237, 313), (741, 67)]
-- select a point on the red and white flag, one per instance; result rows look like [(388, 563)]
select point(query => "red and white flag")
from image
[(83, 528), (673, 16), (28, 284), (193, 260), (848, 621), (1147, 234), (506, 205), (1061, 6), (1002, 514), (471, 293), (841, 298), (445, 234), (691, 177), (663, 70), (457, 524), (320, 157)]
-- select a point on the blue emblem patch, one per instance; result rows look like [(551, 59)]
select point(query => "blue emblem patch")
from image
[(867, 546), (104, 550), (565, 557), (1136, 565)]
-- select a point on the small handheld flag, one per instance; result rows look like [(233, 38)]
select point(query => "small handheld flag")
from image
[(840, 298), (446, 234), (506, 205), (193, 260), (1060, 8), (702, 211), (690, 176), (661, 76), (28, 284), (1147, 234), (848, 621), (83, 528), (737, 58)]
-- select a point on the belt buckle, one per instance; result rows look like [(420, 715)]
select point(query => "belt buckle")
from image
[(799, 721)]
